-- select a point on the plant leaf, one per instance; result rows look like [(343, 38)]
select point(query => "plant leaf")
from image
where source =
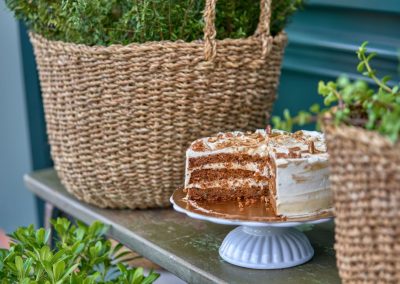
[(19, 264), (58, 270), (40, 236), (361, 66)]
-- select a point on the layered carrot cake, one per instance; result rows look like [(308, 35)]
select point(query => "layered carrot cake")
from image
[(287, 171)]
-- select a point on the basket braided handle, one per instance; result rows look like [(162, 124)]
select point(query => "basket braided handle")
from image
[(263, 29)]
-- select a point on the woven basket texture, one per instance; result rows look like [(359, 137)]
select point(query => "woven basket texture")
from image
[(119, 118), (365, 179)]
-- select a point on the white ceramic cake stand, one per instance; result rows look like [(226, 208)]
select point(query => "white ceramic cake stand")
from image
[(260, 245)]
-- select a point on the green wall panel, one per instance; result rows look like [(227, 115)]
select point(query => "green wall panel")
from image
[(375, 5), (297, 91), (323, 38)]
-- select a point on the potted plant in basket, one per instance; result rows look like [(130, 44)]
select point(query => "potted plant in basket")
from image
[(127, 85), (81, 256), (362, 126)]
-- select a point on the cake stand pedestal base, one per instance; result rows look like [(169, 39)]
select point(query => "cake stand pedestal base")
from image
[(269, 247), (262, 241)]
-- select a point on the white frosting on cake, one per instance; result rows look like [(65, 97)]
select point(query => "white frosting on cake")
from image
[(303, 186), (301, 164)]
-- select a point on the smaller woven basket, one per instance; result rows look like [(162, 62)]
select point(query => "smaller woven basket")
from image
[(365, 179)]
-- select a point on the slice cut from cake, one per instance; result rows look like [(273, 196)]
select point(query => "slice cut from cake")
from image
[(287, 171)]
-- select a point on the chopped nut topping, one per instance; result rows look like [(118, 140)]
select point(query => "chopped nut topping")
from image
[(199, 146), (294, 155), (212, 139), (268, 130), (311, 147)]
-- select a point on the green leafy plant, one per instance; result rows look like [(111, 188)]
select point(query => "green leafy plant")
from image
[(355, 103), (105, 22), (81, 255)]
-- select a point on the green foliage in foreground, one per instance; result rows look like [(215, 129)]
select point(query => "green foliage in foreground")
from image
[(105, 22), (81, 255), (347, 102)]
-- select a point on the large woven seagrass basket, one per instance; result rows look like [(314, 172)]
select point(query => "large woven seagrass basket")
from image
[(119, 118), (365, 178)]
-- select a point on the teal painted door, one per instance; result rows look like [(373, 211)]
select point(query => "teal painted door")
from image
[(323, 39)]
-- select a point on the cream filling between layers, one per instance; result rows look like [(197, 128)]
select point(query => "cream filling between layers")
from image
[(233, 166), (232, 184)]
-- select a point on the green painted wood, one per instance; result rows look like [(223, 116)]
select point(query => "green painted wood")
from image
[(323, 38), (328, 38), (186, 247), (391, 6)]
